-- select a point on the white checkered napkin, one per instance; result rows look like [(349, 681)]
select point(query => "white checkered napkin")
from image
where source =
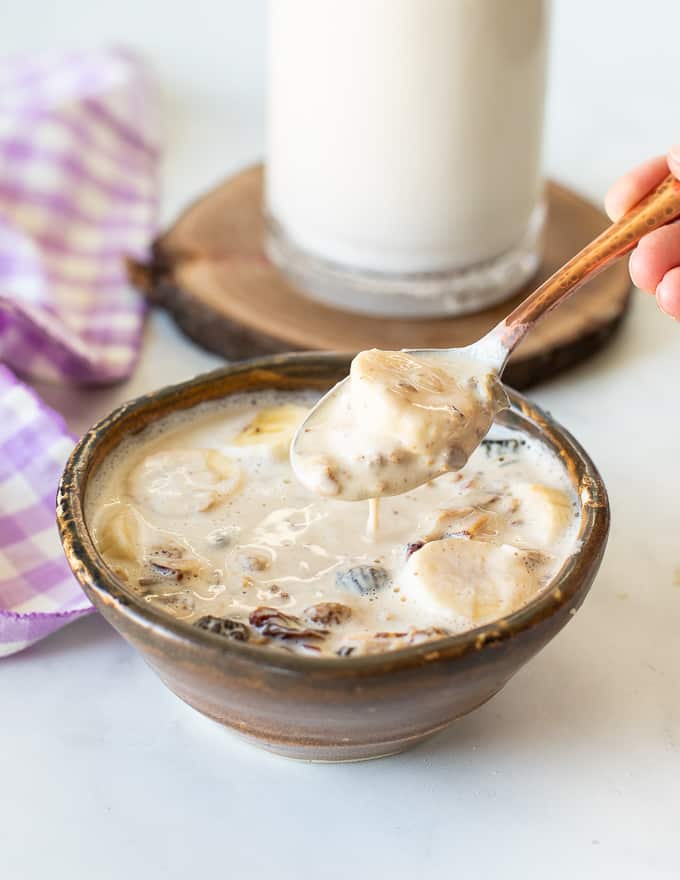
[(38, 593), (78, 193)]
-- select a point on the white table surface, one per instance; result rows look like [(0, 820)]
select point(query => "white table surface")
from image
[(574, 769)]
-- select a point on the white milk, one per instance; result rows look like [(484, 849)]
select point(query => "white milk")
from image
[(405, 137)]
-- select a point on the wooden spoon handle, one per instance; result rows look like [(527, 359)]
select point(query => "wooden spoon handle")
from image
[(660, 207)]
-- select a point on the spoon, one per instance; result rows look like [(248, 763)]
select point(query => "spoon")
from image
[(492, 351)]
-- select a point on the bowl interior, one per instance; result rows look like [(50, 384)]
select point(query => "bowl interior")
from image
[(314, 371)]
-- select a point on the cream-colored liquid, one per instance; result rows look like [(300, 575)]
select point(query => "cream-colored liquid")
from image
[(397, 422), (225, 532)]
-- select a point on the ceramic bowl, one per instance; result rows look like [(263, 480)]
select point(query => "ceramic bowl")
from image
[(330, 709)]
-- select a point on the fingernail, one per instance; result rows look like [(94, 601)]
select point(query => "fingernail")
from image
[(674, 153), (665, 301), (632, 265)]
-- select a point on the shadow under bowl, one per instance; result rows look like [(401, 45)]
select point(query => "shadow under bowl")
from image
[(326, 709)]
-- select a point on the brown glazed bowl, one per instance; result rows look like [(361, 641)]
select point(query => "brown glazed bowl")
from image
[(330, 709)]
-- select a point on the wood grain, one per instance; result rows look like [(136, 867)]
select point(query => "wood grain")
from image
[(209, 271)]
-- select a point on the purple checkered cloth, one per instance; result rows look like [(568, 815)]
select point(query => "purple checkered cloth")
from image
[(38, 593), (78, 194)]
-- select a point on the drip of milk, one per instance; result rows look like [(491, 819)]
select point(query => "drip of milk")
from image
[(373, 521)]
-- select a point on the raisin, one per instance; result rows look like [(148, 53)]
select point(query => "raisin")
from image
[(328, 613), (365, 580), (274, 623), (224, 626), (170, 563), (412, 547), (496, 447)]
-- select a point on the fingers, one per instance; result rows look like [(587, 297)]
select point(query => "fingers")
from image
[(629, 189), (656, 254), (674, 160), (668, 293), (655, 262)]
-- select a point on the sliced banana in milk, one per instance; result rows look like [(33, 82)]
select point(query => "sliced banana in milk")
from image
[(123, 534), (467, 521), (184, 481), (119, 533), (543, 515), (476, 580), (271, 431), (396, 392)]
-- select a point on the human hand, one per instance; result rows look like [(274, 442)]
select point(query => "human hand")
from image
[(655, 262)]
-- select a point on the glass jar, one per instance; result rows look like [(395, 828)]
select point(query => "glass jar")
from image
[(404, 151)]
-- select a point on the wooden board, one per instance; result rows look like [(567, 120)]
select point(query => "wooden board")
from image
[(209, 271)]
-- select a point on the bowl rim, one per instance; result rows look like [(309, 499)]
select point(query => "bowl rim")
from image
[(102, 585)]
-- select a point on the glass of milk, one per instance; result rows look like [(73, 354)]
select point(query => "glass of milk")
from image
[(404, 151)]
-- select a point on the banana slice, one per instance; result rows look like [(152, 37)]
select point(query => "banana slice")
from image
[(473, 579), (544, 514), (271, 431), (122, 534), (393, 390), (118, 534), (429, 405), (477, 522), (184, 481)]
